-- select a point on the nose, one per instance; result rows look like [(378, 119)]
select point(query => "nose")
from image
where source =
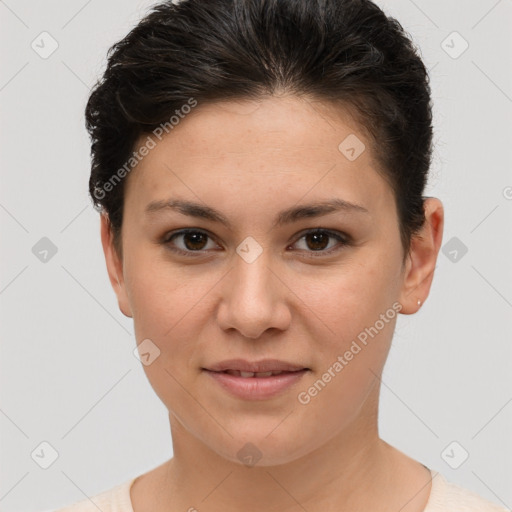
[(253, 299)]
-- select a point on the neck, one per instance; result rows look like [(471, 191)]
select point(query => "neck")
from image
[(352, 470)]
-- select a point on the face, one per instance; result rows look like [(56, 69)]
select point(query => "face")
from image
[(316, 288)]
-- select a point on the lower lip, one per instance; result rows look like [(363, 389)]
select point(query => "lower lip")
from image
[(256, 388)]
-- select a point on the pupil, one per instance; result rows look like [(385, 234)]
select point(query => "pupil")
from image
[(195, 237), (316, 237), (319, 240)]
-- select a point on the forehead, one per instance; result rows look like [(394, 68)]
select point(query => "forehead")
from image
[(277, 148), (285, 124)]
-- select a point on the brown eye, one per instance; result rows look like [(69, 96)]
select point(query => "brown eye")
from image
[(194, 241), (188, 241), (319, 241)]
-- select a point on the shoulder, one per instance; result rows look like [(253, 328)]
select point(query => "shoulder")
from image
[(449, 497), (116, 499)]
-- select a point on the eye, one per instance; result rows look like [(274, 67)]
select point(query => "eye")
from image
[(192, 241), (317, 240)]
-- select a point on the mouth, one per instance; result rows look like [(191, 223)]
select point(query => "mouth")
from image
[(249, 375), (262, 368), (260, 380)]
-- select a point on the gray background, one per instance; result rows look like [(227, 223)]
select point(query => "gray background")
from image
[(68, 374)]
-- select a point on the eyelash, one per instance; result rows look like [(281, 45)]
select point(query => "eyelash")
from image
[(343, 239)]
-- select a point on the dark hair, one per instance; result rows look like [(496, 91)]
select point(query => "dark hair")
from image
[(344, 52)]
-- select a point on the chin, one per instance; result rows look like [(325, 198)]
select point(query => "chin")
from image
[(261, 449)]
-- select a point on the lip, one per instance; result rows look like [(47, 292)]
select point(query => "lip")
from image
[(256, 388), (264, 365)]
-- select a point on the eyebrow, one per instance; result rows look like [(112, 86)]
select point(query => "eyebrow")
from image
[(288, 216)]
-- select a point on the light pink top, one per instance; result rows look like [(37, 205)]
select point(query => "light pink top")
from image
[(444, 497)]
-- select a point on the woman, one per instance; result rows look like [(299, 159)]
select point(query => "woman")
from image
[(259, 167)]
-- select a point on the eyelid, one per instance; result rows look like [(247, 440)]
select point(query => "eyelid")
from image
[(166, 239), (332, 232), (343, 240)]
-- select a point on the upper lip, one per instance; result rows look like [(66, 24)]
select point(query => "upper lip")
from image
[(264, 365)]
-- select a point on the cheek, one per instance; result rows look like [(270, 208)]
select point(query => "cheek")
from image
[(159, 293), (165, 311), (358, 305), (170, 307), (352, 298), (358, 309)]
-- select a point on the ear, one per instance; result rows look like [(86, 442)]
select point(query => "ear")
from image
[(422, 258), (114, 266)]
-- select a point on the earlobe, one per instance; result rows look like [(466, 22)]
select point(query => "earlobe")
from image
[(114, 266), (422, 258)]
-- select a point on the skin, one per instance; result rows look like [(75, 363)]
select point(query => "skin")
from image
[(250, 160)]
